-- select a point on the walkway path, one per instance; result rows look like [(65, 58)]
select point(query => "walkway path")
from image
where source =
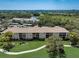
[(67, 46), (33, 50), (16, 53)]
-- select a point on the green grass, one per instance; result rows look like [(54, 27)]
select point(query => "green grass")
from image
[(71, 52), (38, 54), (28, 46)]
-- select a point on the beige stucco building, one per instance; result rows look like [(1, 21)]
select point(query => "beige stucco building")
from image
[(36, 32)]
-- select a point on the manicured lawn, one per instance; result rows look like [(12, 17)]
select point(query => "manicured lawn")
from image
[(38, 54), (28, 45), (71, 52)]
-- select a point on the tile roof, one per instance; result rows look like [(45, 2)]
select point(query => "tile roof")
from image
[(36, 29)]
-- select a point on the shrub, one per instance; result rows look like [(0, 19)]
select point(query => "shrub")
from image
[(8, 46)]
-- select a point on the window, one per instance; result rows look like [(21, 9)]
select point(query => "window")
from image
[(48, 35), (63, 35), (35, 35), (22, 36)]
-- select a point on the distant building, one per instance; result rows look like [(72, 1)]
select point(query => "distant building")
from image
[(36, 32), (23, 22), (32, 19), (1, 29)]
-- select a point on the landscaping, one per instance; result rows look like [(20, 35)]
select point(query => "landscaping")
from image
[(71, 52), (19, 46), (38, 54), (27, 45)]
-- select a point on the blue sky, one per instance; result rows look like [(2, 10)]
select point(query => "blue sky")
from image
[(38, 4)]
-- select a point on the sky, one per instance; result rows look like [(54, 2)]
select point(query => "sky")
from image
[(39, 4)]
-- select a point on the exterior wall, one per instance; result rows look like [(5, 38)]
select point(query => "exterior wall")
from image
[(29, 36), (22, 36), (55, 34), (15, 36), (67, 34), (42, 35)]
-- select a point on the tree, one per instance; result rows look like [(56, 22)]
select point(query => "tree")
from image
[(60, 47), (51, 46), (61, 51), (55, 47), (9, 34), (74, 38), (6, 36)]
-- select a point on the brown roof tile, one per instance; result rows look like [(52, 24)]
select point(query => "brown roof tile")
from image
[(36, 30)]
